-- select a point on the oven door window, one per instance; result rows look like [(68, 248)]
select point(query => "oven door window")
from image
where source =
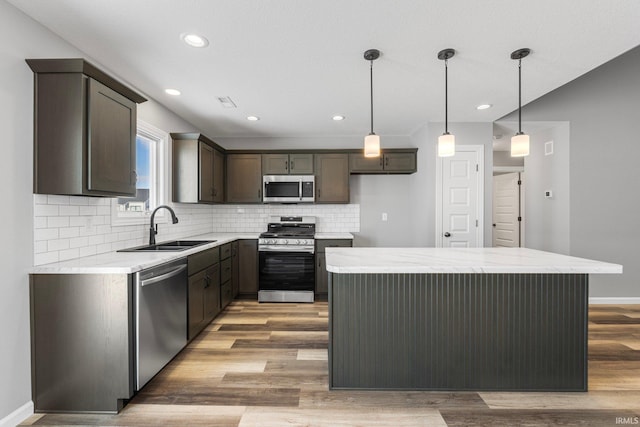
[(287, 271), (282, 189)]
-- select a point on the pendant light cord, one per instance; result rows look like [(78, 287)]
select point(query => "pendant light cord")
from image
[(446, 96), (520, 96), (371, 82)]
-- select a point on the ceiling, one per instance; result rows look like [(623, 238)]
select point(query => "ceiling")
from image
[(296, 63)]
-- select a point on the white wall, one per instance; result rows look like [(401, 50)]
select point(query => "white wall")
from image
[(602, 110), (547, 219)]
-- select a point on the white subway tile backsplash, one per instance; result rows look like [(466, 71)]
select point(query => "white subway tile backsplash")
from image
[(69, 254), (69, 210), (45, 210), (57, 200), (57, 221), (45, 258), (57, 244), (88, 210), (45, 234), (67, 227), (69, 232)]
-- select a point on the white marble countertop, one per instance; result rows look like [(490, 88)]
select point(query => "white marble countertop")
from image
[(131, 262), (333, 236), (460, 260)]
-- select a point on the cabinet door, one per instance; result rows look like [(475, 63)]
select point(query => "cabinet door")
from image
[(211, 293), (358, 163), (322, 276), (400, 162), (111, 157), (332, 178), (248, 266), (235, 269), (275, 164), (244, 178), (218, 176), (301, 164), (197, 283), (322, 279), (205, 184)]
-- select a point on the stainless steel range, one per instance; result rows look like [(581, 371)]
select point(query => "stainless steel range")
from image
[(287, 261)]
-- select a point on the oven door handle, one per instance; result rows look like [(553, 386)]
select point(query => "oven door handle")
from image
[(277, 248)]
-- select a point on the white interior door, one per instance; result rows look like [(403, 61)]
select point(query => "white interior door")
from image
[(506, 210), (459, 223)]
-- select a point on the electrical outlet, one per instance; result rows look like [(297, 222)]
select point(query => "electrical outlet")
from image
[(384, 216)]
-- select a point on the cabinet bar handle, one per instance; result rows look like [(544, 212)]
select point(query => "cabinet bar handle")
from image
[(292, 165)]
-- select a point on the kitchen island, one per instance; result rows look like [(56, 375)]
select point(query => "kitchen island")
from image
[(458, 318)]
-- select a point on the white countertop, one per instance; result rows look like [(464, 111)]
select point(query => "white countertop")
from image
[(333, 236), (459, 260), (131, 262)]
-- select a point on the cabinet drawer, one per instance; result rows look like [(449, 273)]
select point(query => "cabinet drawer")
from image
[(225, 294), (201, 260), (225, 270), (225, 251), (321, 244)]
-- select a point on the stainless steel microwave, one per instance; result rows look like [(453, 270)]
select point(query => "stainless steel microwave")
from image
[(288, 188)]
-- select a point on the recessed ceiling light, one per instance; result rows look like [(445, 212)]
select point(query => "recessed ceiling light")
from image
[(194, 40), (173, 92), (483, 106), (338, 118), (253, 118)]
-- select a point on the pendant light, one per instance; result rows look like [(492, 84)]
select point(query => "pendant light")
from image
[(520, 141), (446, 141), (371, 141)]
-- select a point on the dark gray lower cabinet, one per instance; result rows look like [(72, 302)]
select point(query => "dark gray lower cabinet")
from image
[(248, 268), (82, 342), (321, 270), (204, 289), (235, 269), (226, 273)]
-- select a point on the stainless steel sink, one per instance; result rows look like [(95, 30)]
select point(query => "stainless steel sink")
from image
[(174, 245)]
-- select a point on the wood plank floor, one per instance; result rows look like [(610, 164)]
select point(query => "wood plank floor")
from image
[(266, 365)]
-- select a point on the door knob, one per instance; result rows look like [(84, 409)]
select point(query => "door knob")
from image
[(447, 234)]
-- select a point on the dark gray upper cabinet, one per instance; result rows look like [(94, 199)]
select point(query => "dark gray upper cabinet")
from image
[(84, 130), (244, 178), (197, 169), (285, 164), (390, 161), (332, 178)]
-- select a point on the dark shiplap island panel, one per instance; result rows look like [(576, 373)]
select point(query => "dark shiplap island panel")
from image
[(458, 331)]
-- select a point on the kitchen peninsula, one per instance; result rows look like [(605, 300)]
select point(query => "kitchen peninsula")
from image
[(458, 318)]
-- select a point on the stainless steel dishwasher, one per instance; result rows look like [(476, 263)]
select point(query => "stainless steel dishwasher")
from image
[(161, 317)]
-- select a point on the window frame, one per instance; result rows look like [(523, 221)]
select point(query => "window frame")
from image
[(160, 169)]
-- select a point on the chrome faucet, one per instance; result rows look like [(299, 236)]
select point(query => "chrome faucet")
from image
[(153, 230)]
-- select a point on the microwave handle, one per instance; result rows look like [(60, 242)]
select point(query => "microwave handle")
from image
[(300, 189)]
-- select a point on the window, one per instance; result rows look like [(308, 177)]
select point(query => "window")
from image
[(151, 150)]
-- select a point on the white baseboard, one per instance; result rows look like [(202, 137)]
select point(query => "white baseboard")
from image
[(18, 416), (614, 300)]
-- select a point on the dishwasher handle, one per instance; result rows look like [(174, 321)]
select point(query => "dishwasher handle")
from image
[(167, 275)]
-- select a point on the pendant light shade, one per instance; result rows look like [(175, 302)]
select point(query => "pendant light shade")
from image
[(446, 141), (371, 141), (372, 145), (520, 141), (519, 145), (446, 145)]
